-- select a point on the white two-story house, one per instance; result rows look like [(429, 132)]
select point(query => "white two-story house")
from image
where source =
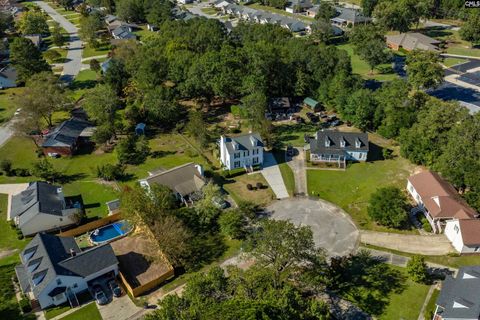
[(244, 151)]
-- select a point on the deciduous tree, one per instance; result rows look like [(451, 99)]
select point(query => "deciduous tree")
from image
[(26, 59), (33, 22), (388, 207), (424, 70)]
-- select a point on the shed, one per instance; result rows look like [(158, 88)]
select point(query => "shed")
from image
[(311, 103), (140, 128)]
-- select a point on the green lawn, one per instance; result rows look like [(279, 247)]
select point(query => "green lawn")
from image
[(431, 306), (237, 188), (362, 68), (408, 303), (92, 52), (8, 236), (286, 171), (210, 11), (7, 103), (455, 45), (61, 59), (351, 189), (448, 62), (85, 79), (143, 32), (89, 312), (55, 311), (9, 308)]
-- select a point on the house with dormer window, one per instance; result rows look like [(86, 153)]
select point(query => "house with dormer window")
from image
[(459, 296), (244, 151), (338, 147), (53, 269)]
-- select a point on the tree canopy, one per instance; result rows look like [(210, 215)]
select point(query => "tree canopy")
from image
[(388, 207)]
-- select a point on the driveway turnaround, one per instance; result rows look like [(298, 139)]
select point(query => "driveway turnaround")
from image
[(75, 46), (431, 245), (332, 228), (272, 174)]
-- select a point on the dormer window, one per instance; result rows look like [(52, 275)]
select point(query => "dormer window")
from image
[(254, 141), (32, 266), (327, 142), (28, 254), (235, 145), (343, 142), (38, 277), (358, 143)]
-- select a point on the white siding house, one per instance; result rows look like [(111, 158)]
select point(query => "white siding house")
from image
[(245, 151), (464, 235)]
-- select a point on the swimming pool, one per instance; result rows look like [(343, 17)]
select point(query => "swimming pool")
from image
[(110, 232)]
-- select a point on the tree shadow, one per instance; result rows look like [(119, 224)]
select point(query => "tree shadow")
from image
[(161, 154), (65, 179)]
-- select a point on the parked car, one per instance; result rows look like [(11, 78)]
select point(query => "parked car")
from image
[(290, 151), (99, 295), (117, 292)]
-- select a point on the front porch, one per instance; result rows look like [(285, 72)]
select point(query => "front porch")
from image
[(436, 224), (339, 160)]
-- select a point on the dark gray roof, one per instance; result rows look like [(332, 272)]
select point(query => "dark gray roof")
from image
[(48, 250), (53, 255), (335, 138), (281, 104), (243, 142), (350, 15), (123, 32), (90, 261), (459, 298), (66, 134), (38, 198), (9, 73)]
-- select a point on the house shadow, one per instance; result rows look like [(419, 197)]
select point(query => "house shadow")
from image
[(91, 205), (135, 264), (375, 152)]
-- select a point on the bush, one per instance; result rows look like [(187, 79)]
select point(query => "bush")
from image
[(52, 55), (21, 172), (249, 187), (6, 166), (259, 185), (417, 269), (231, 223), (12, 224), (133, 150), (426, 225), (387, 153), (25, 305), (385, 69), (388, 207), (109, 172)]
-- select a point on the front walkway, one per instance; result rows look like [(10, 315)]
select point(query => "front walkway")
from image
[(12, 189), (272, 174), (430, 245)]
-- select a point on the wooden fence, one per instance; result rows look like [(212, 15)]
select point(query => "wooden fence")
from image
[(90, 226), (137, 291)]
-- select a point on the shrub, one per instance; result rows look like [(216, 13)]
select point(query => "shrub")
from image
[(231, 223), (259, 185), (52, 55), (388, 207), (6, 166), (426, 225), (417, 269), (109, 172), (12, 224), (387, 153), (249, 187), (21, 172), (25, 305)]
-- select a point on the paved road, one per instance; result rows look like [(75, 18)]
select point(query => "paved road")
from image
[(74, 55), (332, 228), (272, 174), (428, 245), (297, 164)]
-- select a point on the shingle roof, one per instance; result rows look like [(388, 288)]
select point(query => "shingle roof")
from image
[(459, 296), (59, 256), (350, 15), (470, 229), (440, 197), (413, 40), (318, 145), (38, 198), (66, 134), (184, 179), (243, 142)]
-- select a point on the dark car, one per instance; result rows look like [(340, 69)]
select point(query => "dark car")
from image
[(99, 295), (290, 151), (117, 292)]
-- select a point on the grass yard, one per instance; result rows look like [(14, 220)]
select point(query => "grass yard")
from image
[(8, 236), (431, 306), (362, 68), (143, 32), (7, 103), (210, 11), (9, 308), (55, 311), (351, 189), (455, 45), (293, 133), (237, 188), (280, 12), (449, 62), (92, 52), (408, 303), (89, 312), (286, 171), (85, 79)]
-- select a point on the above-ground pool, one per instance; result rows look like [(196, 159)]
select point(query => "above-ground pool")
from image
[(110, 232)]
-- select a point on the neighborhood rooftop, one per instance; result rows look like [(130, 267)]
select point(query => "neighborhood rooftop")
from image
[(243, 142), (332, 142), (411, 41), (67, 133)]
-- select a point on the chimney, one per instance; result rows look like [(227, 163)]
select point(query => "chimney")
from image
[(73, 253)]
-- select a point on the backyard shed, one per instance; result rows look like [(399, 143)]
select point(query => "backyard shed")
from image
[(311, 103), (140, 129)]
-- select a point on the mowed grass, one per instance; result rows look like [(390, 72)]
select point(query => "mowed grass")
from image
[(408, 303), (89, 312), (92, 52), (351, 189), (455, 45), (8, 236), (431, 306), (8, 104), (362, 68), (85, 79), (449, 62), (237, 188), (51, 313), (286, 171)]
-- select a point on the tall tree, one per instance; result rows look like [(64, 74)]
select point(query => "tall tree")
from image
[(130, 10), (423, 69), (388, 206), (158, 11), (470, 29), (116, 76), (417, 269), (33, 22), (43, 96), (197, 128), (26, 59), (368, 6), (90, 27), (57, 35)]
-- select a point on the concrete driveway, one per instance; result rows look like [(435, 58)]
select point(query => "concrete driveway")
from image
[(297, 164), (272, 174), (119, 309), (12, 189), (332, 228), (75, 46), (432, 245)]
